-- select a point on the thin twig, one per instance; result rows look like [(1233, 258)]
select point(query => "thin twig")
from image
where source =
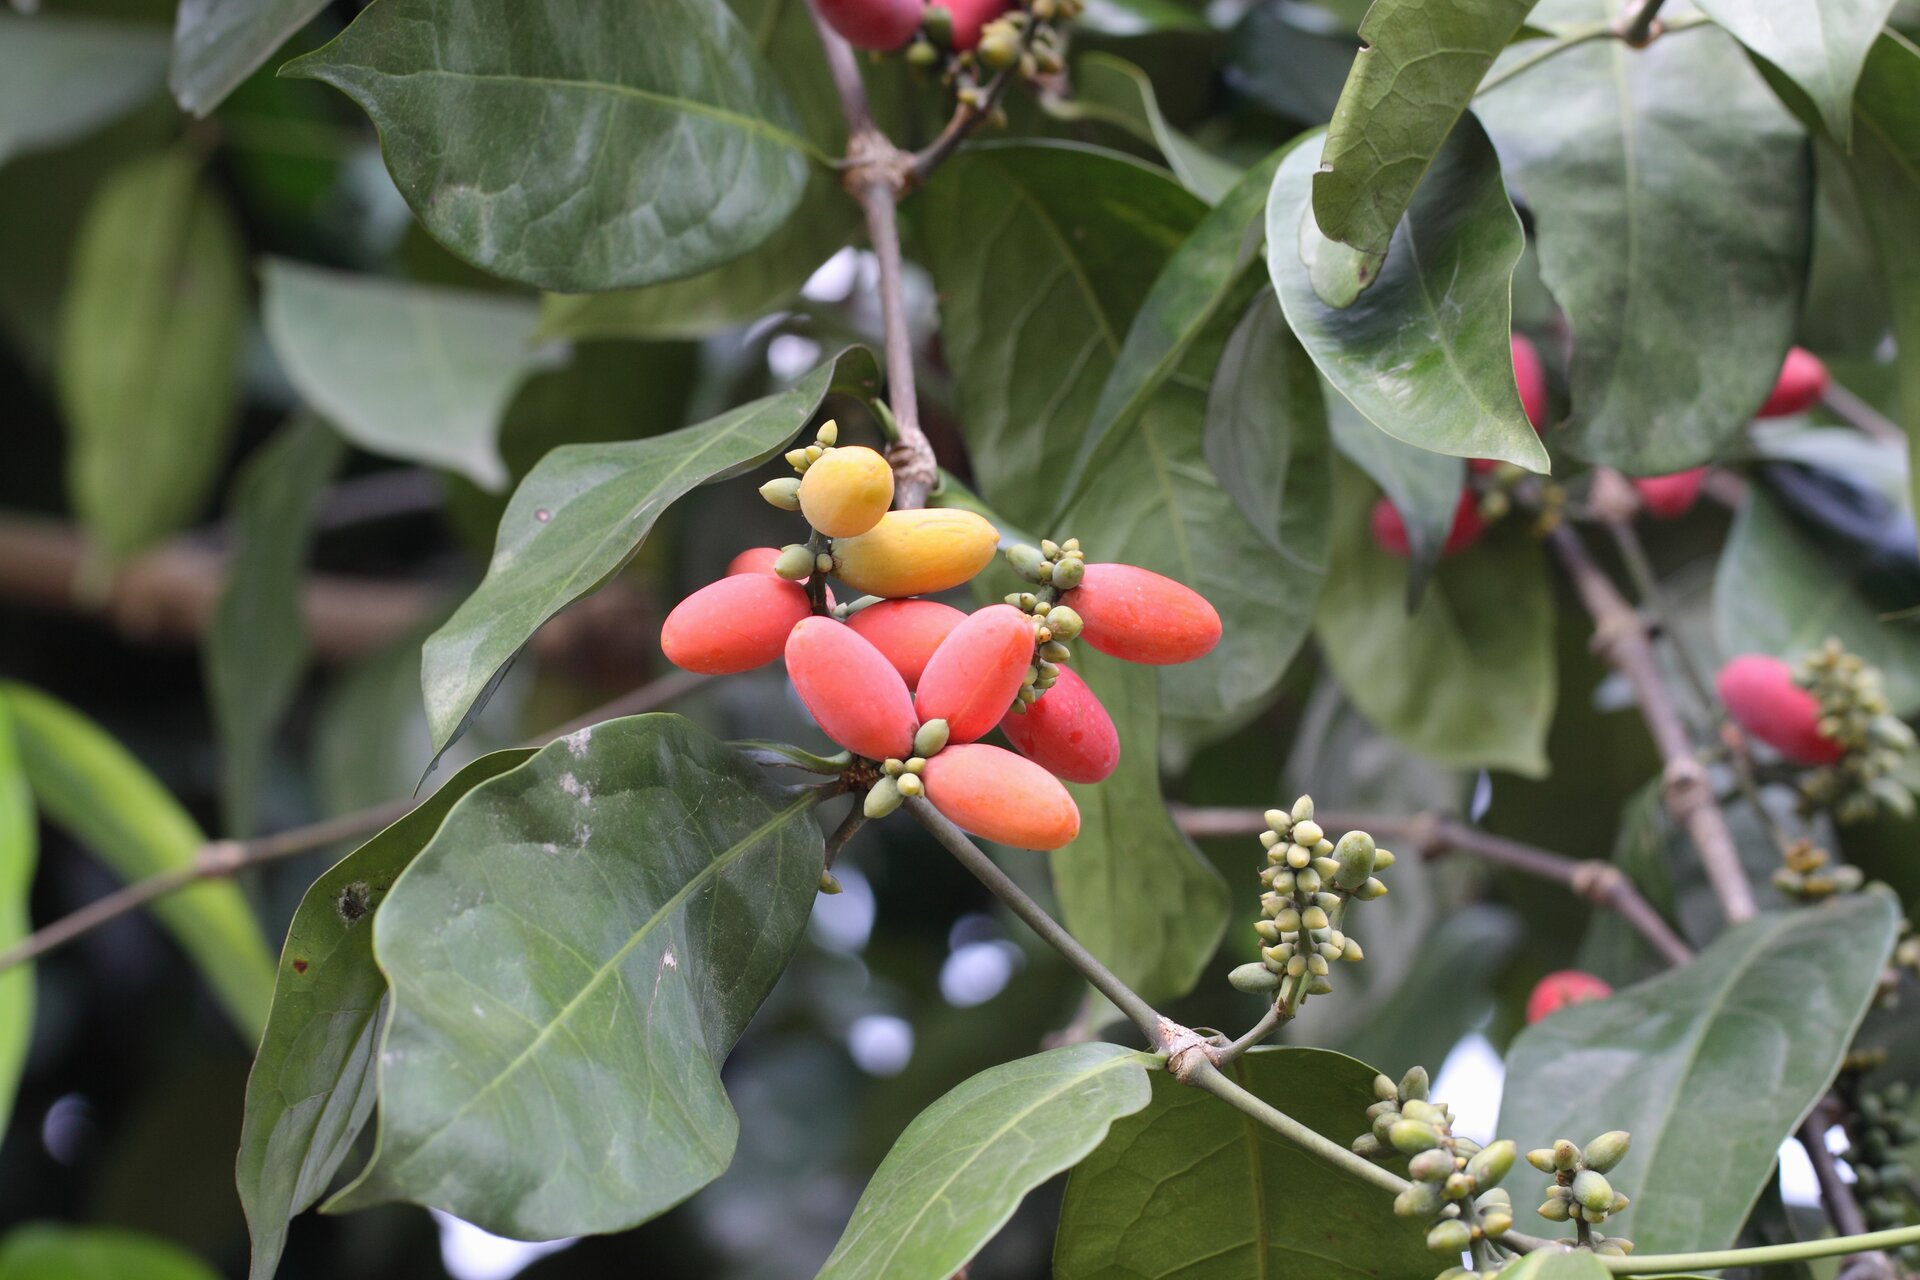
[(1860, 415), (1213, 1081), (1573, 37), (1640, 24), (218, 859), (843, 833), (1620, 636)]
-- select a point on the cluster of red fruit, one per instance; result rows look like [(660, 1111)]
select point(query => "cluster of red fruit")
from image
[(912, 684), (882, 25), (1802, 381), (1762, 696)]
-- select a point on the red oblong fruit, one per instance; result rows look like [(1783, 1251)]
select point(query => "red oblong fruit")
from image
[(1066, 732), (1760, 693), (851, 690), (1138, 615), (735, 624), (1002, 797), (1670, 497), (974, 675), (907, 631), (1531, 377), (969, 16), (1558, 990), (1802, 381), (873, 24), (753, 560), (1390, 531)]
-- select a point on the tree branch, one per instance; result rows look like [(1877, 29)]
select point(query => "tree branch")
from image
[(1620, 637)]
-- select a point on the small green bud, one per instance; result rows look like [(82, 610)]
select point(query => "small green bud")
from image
[(815, 453), (1565, 1154), (1421, 1200), (910, 785), (921, 54), (1541, 1158), (797, 459), (1314, 918), (829, 885), (1462, 1147), (1055, 652), (823, 563), (1325, 868), (1493, 1163), (931, 736), (1307, 881), (1494, 1196), (1385, 1089), (1307, 832), (1421, 1109), (1555, 1210), (1299, 857), (783, 493), (1496, 1222), (1288, 921), (1303, 808), (1460, 1186), (1068, 573), (1049, 548), (1373, 888), (1318, 986), (916, 765), (1296, 966), (1267, 929), (893, 768), (882, 799), (939, 23), (1381, 1107), (1593, 1191), (1451, 1236), (1607, 1150), (1254, 979), (1044, 574), (1414, 1084), (1410, 1137), (1619, 1204), (1355, 855), (1382, 859), (1435, 1165), (1350, 951), (1383, 1125), (1026, 560), (1613, 1247), (1277, 821), (794, 563), (829, 433), (1063, 622), (1328, 950), (1368, 1147), (1317, 965)]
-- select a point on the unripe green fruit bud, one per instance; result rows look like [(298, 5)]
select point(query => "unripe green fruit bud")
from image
[(883, 799), (783, 493), (1410, 1137), (1565, 1154), (1373, 888), (930, 738), (1317, 965), (1063, 622), (1383, 1125), (1068, 573), (1307, 832), (1493, 1163), (1350, 951), (1254, 979), (1288, 921), (1421, 1200), (794, 563), (917, 765), (1431, 1166), (921, 54), (1328, 950), (1267, 929), (1303, 808), (1459, 1186), (1496, 1222), (1368, 1147), (1268, 839), (1414, 1084), (1492, 1197), (1462, 1147), (1619, 1204), (1026, 561), (1382, 859), (1318, 986), (1449, 1237), (1614, 1247), (1355, 856), (1307, 881), (1541, 1158), (797, 459), (1593, 1191), (1054, 651), (1298, 857), (910, 785), (1421, 1109), (1556, 1210), (1385, 1089), (1044, 574), (1278, 822), (939, 23), (999, 47), (1284, 882), (893, 768), (1607, 1150), (1314, 918), (1383, 1106), (1326, 868), (823, 563), (815, 453)]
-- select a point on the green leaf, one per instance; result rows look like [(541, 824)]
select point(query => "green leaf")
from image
[(88, 784), (56, 1251), (1133, 889), (1468, 678), (1292, 56), (681, 152), (404, 370), (1192, 1188), (1555, 1265), (1886, 171), (256, 649), (1425, 351), (62, 77), (1418, 67), (570, 959), (1710, 1067), (1818, 44), (1114, 90), (1083, 233), (19, 850), (219, 43), (583, 512), (312, 1087), (1775, 592), (1423, 486), (965, 1163), (1670, 195), (1449, 991), (149, 351)]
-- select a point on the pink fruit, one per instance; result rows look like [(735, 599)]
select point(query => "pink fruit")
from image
[(1670, 497), (1761, 695), (1140, 616), (969, 16), (735, 624), (907, 631), (1531, 377), (1558, 990), (974, 675), (1067, 732), (1390, 531), (753, 560), (851, 690), (1002, 797), (873, 24), (1802, 381)]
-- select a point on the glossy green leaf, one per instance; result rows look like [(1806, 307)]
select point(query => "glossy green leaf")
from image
[(1083, 232), (1418, 67), (1468, 678), (57, 1251), (1886, 171), (312, 1087), (1424, 351), (61, 77), (405, 370), (583, 512), (256, 648), (1710, 1067), (89, 785), (219, 43), (1292, 56), (1191, 1188), (1671, 198), (1422, 485), (1133, 889), (1114, 90), (1818, 44), (149, 350), (682, 149), (19, 851), (1553, 1265), (570, 959), (1775, 592), (965, 1163)]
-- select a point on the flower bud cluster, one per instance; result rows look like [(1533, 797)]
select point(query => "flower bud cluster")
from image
[(1024, 41), (1054, 568), (1580, 1191), (1880, 1127), (1453, 1181), (1309, 881), (1809, 873), (1855, 713)]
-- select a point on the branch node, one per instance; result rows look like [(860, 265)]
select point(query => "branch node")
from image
[(1187, 1050), (873, 161), (1598, 882), (220, 858)]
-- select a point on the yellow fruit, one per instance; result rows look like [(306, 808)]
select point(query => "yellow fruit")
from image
[(914, 553), (847, 491)]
